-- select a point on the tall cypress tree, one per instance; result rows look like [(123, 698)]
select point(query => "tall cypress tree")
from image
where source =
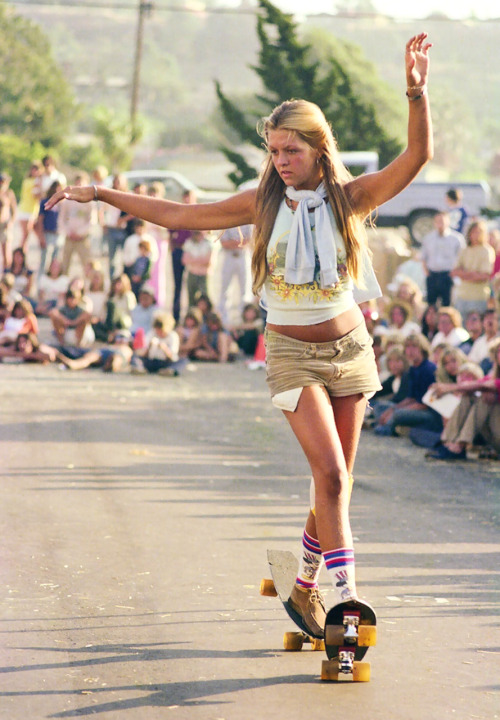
[(287, 69)]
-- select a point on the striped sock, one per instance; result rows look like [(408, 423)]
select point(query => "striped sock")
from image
[(340, 566), (310, 563)]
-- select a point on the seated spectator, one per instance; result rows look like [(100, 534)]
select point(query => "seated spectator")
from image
[(395, 387), (216, 343), (121, 302), (27, 348), (381, 346), (480, 350), (205, 305), (399, 316), (23, 276), (474, 326), (430, 322), (478, 414), (11, 295), (5, 305), (113, 358), (97, 295), (246, 332), (190, 333), (72, 317), (469, 371), (161, 354), (449, 364), (52, 288), (411, 411), (410, 293), (21, 320), (450, 329), (144, 312)]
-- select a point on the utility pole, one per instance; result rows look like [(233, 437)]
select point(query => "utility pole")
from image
[(145, 9)]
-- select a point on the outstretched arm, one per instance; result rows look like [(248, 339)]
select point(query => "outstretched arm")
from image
[(370, 191), (236, 210)]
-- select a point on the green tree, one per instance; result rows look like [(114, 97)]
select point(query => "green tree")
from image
[(288, 68), (37, 102)]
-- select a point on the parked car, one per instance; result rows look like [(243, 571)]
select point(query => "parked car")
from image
[(175, 184)]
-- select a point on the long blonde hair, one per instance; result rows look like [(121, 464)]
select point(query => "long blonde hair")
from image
[(308, 122)]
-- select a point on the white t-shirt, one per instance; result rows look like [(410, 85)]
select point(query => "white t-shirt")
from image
[(53, 288), (172, 341)]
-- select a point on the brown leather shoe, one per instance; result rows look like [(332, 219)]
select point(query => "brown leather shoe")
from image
[(309, 604)]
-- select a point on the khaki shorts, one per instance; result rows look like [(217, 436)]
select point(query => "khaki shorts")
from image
[(344, 367)]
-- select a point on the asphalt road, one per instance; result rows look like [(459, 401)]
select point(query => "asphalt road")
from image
[(136, 513)]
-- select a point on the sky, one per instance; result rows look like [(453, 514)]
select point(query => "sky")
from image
[(402, 9)]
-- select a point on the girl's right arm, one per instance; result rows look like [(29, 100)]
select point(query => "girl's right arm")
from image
[(236, 210)]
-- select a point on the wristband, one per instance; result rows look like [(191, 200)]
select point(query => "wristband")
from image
[(417, 97)]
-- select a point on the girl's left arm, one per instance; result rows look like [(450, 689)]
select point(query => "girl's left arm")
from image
[(369, 191)]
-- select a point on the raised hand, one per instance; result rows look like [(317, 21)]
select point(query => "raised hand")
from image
[(417, 60)]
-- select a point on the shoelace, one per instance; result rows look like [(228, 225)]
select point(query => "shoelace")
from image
[(316, 596)]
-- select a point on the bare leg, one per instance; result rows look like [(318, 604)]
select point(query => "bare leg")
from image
[(348, 413), (328, 431)]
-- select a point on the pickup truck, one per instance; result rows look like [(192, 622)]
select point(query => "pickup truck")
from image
[(417, 204)]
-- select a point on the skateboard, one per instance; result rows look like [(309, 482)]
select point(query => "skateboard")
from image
[(350, 627), (284, 567)]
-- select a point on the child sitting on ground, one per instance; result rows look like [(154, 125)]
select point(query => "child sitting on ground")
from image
[(216, 345), (161, 354), (190, 333), (247, 332)]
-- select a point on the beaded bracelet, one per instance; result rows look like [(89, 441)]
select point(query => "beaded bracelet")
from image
[(416, 97)]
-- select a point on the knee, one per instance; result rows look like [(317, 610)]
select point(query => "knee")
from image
[(331, 486)]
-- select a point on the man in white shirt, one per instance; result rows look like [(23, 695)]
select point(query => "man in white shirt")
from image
[(439, 252), (235, 263)]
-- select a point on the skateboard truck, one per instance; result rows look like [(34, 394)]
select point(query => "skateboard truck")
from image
[(351, 623), (346, 660), (349, 630)]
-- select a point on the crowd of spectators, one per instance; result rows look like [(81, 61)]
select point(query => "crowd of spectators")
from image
[(122, 295), (99, 278)]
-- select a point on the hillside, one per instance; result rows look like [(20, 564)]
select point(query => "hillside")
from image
[(185, 52)]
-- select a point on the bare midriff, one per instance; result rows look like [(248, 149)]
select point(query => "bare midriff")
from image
[(325, 331)]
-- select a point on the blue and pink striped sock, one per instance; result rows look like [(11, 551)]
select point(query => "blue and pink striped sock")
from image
[(310, 563), (340, 567)]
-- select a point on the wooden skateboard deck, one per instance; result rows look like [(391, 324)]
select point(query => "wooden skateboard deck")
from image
[(284, 567), (350, 629)]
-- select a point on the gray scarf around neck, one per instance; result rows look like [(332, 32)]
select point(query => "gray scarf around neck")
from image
[(300, 255)]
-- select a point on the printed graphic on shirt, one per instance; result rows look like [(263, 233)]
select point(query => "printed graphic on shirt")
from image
[(313, 290)]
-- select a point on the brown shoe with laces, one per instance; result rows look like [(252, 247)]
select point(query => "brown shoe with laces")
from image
[(309, 604)]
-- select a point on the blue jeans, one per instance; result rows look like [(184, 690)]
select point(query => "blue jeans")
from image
[(178, 271), (426, 418), (115, 238), (53, 243)]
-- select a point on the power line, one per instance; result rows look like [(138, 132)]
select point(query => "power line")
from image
[(155, 6)]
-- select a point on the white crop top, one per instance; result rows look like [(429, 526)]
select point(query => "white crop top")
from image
[(309, 304)]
